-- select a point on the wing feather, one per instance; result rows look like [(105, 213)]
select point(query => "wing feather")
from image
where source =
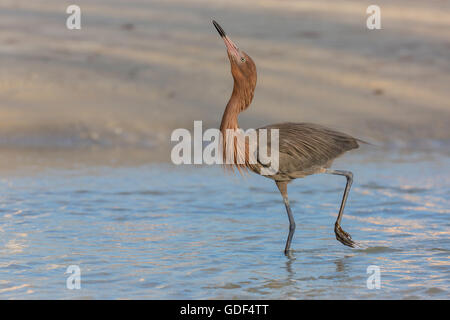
[(306, 145)]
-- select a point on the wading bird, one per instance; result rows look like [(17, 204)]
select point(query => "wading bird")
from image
[(304, 148)]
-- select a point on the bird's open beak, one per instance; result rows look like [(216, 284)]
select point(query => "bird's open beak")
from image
[(231, 47)]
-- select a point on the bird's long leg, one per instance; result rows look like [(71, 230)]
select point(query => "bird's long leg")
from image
[(282, 186), (341, 235)]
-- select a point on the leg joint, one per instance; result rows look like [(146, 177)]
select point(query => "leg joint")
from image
[(347, 174), (292, 227)]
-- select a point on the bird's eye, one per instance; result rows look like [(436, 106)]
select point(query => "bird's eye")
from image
[(242, 59)]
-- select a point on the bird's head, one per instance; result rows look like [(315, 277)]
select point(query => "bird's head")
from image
[(243, 68)]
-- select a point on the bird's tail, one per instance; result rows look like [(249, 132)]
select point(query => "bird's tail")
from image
[(365, 142)]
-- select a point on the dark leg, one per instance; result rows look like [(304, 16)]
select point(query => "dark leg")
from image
[(282, 186), (341, 235)]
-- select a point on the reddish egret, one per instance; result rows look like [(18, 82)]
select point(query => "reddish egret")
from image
[(304, 148)]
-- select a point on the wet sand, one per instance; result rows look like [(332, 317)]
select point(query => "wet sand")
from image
[(139, 69)]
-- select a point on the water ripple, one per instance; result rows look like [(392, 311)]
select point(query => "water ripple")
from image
[(165, 232)]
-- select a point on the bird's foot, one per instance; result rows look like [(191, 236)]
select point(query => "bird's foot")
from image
[(289, 254), (344, 237)]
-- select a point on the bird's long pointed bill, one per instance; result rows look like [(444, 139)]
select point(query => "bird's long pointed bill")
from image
[(231, 47)]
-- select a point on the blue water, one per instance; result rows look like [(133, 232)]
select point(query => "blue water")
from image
[(165, 232)]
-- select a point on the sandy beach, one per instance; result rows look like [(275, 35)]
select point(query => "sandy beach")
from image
[(138, 69)]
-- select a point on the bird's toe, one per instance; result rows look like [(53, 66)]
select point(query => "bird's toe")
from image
[(344, 237)]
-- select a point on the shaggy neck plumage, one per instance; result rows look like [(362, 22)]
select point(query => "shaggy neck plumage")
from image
[(240, 100)]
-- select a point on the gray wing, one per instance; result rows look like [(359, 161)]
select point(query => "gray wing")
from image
[(305, 147)]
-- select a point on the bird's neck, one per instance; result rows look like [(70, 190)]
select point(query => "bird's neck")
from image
[(240, 100)]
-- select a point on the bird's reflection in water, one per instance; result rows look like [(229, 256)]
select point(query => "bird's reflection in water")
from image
[(290, 258), (342, 265), (342, 268)]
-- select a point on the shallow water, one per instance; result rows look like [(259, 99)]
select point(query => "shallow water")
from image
[(165, 232)]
